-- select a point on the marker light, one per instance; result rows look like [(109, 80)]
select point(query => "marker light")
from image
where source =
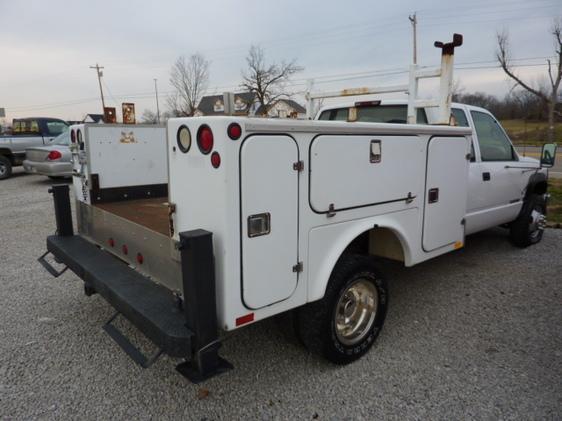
[(234, 131), (215, 159)]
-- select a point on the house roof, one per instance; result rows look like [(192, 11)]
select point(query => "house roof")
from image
[(95, 117), (207, 103), (293, 104)]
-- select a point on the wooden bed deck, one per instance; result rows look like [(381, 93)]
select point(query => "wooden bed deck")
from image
[(150, 213)]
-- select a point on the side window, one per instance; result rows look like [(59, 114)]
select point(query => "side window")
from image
[(494, 144), (56, 127), (339, 114), (462, 121), (460, 117)]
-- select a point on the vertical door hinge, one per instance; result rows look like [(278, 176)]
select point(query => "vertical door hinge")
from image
[(331, 211), (298, 267), (298, 166)]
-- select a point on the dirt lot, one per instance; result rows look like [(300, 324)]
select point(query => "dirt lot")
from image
[(473, 334)]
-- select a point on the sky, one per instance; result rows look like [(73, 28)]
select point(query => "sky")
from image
[(47, 47)]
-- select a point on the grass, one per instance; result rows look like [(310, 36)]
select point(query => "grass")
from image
[(524, 132), (554, 212)]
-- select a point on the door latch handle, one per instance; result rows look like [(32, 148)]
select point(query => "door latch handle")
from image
[(486, 176)]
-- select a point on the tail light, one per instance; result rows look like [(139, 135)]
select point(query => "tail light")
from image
[(234, 131), (205, 139), (215, 159), (53, 155)]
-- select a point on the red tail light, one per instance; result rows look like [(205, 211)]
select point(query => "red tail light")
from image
[(53, 155), (234, 131), (205, 139), (140, 258), (215, 159)]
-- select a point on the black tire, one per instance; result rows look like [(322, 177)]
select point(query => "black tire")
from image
[(526, 230), (316, 322), (5, 167)]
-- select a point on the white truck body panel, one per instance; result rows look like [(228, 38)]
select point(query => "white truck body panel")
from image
[(121, 155), (262, 281), (343, 176), (441, 225), (269, 185)]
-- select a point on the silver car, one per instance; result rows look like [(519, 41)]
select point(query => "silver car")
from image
[(52, 160)]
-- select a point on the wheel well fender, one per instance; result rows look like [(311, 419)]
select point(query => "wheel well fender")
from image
[(328, 243), (537, 184)]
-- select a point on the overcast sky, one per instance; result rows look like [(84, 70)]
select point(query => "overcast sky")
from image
[(46, 47)]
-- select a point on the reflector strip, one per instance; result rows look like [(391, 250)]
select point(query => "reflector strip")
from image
[(245, 319)]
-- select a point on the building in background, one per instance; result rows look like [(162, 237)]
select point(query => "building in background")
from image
[(93, 118), (283, 108)]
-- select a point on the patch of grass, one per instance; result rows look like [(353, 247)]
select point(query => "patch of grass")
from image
[(554, 212), (530, 132)]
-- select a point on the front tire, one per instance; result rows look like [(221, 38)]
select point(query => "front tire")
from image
[(344, 324), (529, 226), (5, 167)]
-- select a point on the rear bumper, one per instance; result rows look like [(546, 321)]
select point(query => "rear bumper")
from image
[(180, 328), (52, 169), (150, 307)]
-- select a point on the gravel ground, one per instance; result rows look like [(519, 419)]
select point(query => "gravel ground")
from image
[(473, 334)]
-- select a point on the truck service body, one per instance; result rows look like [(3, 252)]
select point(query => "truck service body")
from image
[(213, 223)]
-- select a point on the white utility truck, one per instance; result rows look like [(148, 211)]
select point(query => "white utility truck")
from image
[(222, 221)]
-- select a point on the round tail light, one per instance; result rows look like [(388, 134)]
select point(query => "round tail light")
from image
[(205, 139), (215, 159), (53, 155), (234, 131)]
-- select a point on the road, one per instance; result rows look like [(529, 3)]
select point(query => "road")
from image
[(535, 152), (472, 334)]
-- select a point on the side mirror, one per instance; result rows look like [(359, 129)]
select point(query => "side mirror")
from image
[(548, 155)]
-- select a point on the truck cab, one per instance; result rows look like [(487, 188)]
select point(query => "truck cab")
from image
[(26, 133), (499, 179)]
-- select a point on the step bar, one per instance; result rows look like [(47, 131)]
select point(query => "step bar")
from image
[(180, 328)]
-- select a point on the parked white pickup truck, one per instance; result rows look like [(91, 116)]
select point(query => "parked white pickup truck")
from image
[(213, 223), (503, 187)]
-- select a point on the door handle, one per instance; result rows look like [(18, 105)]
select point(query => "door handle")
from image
[(486, 176)]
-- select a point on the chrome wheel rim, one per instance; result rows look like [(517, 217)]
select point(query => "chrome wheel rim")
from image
[(356, 311), (3, 169), (538, 223)]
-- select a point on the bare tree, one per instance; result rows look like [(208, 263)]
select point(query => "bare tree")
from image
[(190, 78), (267, 81), (149, 117), (550, 99)]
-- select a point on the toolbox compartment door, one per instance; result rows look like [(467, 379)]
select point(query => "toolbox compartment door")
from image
[(354, 171), (269, 219), (445, 192)]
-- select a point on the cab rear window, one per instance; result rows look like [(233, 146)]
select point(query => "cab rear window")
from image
[(375, 114)]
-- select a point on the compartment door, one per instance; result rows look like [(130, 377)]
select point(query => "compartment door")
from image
[(269, 219), (446, 192)]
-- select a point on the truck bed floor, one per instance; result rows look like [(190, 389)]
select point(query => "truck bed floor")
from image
[(150, 213)]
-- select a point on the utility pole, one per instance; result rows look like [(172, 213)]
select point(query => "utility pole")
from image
[(157, 106), (414, 20), (100, 74)]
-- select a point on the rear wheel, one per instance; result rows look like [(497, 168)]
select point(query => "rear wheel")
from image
[(344, 324), (5, 167), (529, 226)]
